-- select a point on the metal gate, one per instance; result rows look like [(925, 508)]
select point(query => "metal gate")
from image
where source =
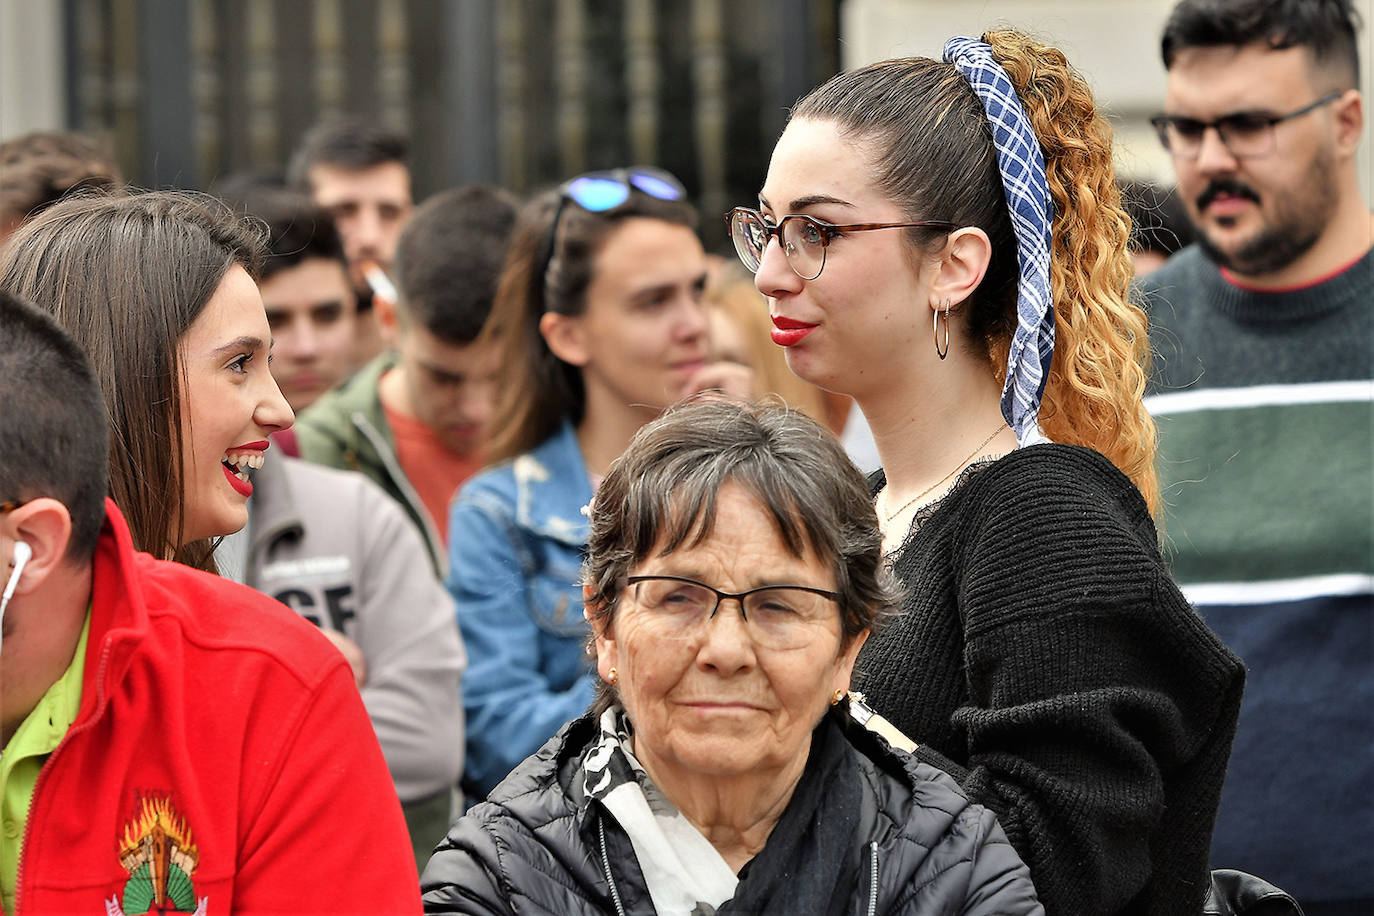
[(520, 93)]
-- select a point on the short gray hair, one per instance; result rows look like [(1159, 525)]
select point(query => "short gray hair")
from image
[(663, 490)]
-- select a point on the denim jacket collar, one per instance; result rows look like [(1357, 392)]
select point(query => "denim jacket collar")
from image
[(552, 486)]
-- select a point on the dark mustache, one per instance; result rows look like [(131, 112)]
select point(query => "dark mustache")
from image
[(1227, 186)]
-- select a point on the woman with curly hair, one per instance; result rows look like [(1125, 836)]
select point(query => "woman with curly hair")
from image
[(1044, 657)]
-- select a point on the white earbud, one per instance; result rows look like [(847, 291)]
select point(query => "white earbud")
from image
[(22, 553)]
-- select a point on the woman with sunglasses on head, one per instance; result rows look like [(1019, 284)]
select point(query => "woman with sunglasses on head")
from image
[(1045, 657), (600, 319)]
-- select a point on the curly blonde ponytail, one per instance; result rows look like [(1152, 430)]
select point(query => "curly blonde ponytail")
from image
[(1101, 352), (934, 154)]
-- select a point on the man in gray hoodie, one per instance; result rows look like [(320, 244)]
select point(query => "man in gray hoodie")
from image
[(334, 547)]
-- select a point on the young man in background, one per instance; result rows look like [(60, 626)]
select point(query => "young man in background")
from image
[(358, 171), (414, 419)]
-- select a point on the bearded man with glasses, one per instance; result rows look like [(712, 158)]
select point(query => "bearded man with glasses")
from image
[(1264, 376)]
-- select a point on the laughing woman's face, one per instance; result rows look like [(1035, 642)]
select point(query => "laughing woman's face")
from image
[(229, 406)]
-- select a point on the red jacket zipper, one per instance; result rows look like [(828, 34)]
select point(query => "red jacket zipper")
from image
[(43, 773)]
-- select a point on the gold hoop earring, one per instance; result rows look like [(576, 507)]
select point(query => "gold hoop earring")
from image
[(612, 676), (935, 330), (837, 696)]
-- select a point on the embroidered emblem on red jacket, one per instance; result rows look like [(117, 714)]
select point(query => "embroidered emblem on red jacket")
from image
[(159, 854)]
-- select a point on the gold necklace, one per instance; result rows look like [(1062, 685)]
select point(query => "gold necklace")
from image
[(887, 519)]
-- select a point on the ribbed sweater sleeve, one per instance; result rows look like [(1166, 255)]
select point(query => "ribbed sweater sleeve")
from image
[(1083, 691)]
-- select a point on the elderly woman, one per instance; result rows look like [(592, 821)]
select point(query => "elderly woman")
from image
[(733, 572)]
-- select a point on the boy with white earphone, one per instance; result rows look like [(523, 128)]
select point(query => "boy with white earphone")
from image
[(22, 552), (160, 726)]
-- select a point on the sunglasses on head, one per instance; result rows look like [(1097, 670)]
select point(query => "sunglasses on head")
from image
[(598, 192), (601, 192)]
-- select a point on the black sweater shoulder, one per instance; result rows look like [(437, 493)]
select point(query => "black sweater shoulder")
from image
[(1046, 659)]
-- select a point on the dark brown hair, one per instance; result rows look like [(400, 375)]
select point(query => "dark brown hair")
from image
[(449, 257), (929, 138), (1326, 28), (539, 391), (297, 229), (661, 495), (39, 168), (127, 277), (55, 437), (346, 142)]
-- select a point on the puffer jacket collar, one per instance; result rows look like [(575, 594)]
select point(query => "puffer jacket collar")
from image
[(904, 865)]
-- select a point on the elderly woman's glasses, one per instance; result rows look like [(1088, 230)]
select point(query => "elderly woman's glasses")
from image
[(777, 616), (804, 239), (599, 192), (1247, 134)]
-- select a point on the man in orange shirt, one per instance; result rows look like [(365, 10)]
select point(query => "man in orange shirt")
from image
[(414, 419)]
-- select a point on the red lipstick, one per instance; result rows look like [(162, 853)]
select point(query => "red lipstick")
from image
[(242, 487), (788, 332)]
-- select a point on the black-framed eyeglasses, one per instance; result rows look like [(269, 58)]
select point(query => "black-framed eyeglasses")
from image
[(1247, 134), (777, 616), (600, 192), (804, 239), (11, 505)]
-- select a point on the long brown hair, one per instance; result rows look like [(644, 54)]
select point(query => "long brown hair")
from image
[(935, 158), (127, 277), (538, 390)]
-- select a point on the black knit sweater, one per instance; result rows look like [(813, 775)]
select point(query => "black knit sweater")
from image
[(1047, 661)]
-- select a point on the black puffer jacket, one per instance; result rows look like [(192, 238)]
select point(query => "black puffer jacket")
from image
[(538, 845)]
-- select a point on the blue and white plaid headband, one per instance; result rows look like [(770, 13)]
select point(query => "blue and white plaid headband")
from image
[(1022, 164)]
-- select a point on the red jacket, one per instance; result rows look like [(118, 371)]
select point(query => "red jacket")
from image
[(221, 762)]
